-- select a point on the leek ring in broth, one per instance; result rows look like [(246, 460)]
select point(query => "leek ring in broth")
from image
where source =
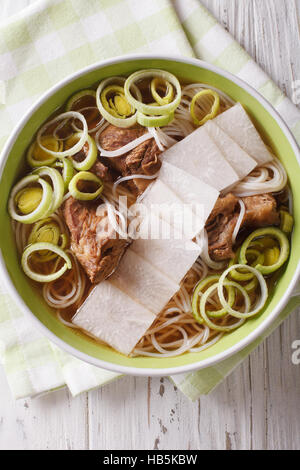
[(41, 209), (90, 154), (200, 100), (42, 246), (149, 109), (85, 176), (58, 186), (282, 240), (37, 157), (156, 83), (110, 113), (64, 117)]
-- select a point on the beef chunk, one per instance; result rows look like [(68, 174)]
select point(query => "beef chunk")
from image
[(94, 242), (143, 160), (220, 226), (102, 171), (261, 211), (99, 168)]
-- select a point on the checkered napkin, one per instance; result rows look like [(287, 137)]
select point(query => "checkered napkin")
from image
[(48, 41)]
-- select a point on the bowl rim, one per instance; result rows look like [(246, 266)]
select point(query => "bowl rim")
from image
[(138, 371)]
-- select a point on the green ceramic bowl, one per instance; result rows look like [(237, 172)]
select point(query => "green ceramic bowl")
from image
[(276, 135)]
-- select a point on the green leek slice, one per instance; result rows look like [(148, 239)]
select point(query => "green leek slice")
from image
[(154, 121), (71, 103), (28, 199), (158, 82), (281, 238), (42, 246), (43, 207), (196, 299), (286, 222), (90, 150), (85, 176), (64, 117), (108, 109), (263, 298), (67, 170), (37, 157), (149, 109), (204, 314), (58, 186), (200, 101)]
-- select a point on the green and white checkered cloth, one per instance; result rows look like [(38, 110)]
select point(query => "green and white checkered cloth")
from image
[(48, 41)]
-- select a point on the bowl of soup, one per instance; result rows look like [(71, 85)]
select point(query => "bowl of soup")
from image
[(149, 212)]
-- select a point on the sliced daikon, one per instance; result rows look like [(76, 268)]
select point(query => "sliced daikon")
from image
[(190, 189), (199, 156), (173, 257), (141, 281), (164, 203), (111, 316), (238, 125), (240, 161)]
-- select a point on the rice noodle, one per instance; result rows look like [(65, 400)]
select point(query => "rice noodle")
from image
[(239, 221), (132, 177), (154, 133), (125, 149), (112, 214), (65, 322), (260, 181), (176, 331), (202, 241), (58, 294)]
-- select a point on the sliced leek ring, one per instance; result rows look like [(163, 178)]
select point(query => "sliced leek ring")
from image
[(119, 106), (78, 96), (67, 172), (196, 299), (84, 102), (169, 95), (149, 109), (28, 199), (48, 231), (263, 286), (200, 100), (204, 315), (45, 158), (64, 117), (85, 176), (43, 207), (58, 186), (91, 152), (282, 240), (42, 246), (154, 121), (112, 119)]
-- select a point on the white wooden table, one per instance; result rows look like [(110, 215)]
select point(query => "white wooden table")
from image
[(258, 406)]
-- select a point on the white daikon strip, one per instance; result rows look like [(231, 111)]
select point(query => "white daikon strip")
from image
[(164, 203), (111, 316), (190, 189), (173, 257), (238, 125), (138, 279), (199, 156), (240, 161)]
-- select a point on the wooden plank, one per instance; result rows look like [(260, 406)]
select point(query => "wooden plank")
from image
[(55, 421)]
